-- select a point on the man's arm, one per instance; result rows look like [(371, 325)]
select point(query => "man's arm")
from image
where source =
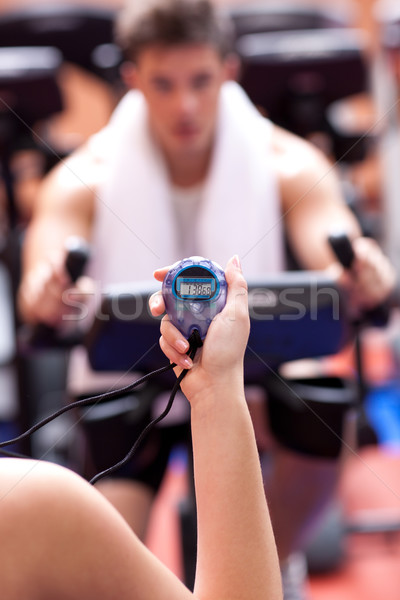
[(313, 208), (312, 201), (65, 207)]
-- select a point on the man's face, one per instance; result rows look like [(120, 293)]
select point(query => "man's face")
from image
[(181, 85)]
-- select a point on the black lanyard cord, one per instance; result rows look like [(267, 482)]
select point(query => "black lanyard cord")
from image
[(113, 395), (194, 341), (143, 434)]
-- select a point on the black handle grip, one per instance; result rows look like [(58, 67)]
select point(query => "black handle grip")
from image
[(341, 245), (78, 253), (42, 335)]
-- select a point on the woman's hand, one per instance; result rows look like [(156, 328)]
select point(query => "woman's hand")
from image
[(220, 360)]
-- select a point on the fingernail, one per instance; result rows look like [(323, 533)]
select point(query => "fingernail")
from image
[(155, 300), (236, 262), (187, 363), (182, 345)]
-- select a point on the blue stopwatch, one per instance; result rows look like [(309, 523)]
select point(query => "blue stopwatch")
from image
[(194, 291)]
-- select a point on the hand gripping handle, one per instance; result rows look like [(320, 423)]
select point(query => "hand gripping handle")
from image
[(42, 335), (343, 249)]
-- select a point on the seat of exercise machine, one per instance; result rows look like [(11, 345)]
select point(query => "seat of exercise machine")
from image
[(28, 91), (261, 17), (28, 86), (294, 75), (83, 34), (294, 315)]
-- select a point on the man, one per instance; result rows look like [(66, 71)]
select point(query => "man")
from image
[(188, 166)]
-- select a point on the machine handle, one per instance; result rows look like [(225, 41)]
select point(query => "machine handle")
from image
[(42, 335), (343, 249)]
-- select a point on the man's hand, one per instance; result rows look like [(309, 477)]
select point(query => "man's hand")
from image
[(47, 294), (370, 279)]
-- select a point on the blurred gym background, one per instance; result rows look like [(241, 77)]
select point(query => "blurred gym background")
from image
[(330, 73)]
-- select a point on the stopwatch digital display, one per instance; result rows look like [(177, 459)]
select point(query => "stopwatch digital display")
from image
[(199, 287), (194, 291), (196, 283)]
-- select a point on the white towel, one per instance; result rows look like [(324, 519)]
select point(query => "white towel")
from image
[(135, 230)]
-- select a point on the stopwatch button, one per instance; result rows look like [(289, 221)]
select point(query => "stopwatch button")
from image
[(196, 308)]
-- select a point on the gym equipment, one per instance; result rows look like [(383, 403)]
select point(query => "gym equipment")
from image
[(288, 311), (327, 550), (297, 60), (28, 93), (262, 17), (83, 34), (293, 76)]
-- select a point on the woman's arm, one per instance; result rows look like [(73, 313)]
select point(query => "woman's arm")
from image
[(237, 558)]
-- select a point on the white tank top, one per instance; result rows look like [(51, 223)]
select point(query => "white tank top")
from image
[(186, 203)]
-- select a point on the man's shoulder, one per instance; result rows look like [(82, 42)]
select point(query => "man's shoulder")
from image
[(79, 170), (73, 182), (286, 142), (295, 155)]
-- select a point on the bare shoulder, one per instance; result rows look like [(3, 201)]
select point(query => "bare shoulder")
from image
[(312, 200), (303, 171), (294, 155), (72, 185)]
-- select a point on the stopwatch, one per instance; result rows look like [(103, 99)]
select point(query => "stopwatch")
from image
[(194, 291)]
